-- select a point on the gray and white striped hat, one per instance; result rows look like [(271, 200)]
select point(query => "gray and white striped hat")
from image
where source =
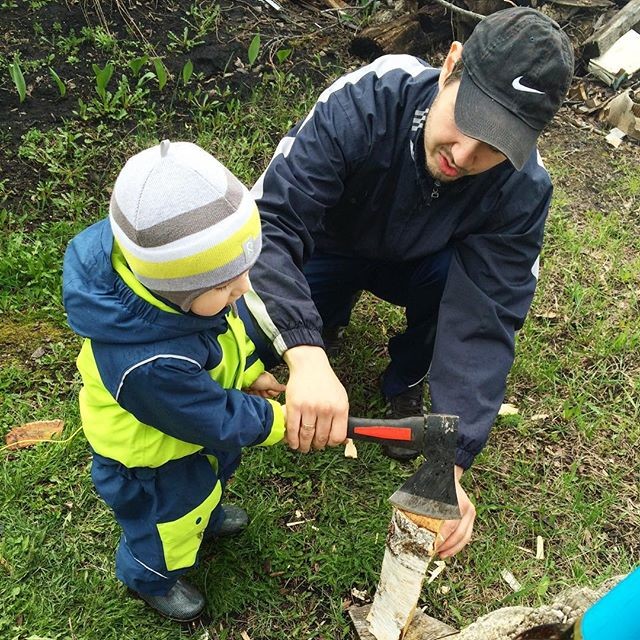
[(183, 221)]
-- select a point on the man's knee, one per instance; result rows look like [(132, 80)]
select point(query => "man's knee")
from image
[(433, 270)]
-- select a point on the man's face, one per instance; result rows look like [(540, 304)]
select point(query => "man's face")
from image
[(450, 153)]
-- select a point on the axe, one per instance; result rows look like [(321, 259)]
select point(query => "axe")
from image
[(431, 490)]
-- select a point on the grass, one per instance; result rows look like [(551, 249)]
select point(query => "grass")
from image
[(564, 468)]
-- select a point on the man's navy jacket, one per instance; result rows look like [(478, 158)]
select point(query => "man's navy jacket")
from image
[(350, 179)]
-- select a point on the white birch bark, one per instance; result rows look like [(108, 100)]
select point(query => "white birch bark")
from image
[(408, 551)]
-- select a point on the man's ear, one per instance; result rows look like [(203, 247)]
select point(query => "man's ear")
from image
[(455, 53)]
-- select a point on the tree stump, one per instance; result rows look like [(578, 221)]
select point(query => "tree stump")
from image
[(401, 35)]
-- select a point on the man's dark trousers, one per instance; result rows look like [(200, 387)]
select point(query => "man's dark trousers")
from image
[(336, 282)]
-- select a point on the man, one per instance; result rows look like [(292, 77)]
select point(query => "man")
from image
[(424, 187)]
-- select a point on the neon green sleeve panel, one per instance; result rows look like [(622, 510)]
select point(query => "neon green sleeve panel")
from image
[(116, 433), (278, 428), (252, 373)]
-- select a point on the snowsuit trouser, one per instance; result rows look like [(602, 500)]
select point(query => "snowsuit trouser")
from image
[(336, 282), (164, 513)]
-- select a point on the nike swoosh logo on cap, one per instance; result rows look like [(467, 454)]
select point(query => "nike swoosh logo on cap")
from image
[(518, 86)]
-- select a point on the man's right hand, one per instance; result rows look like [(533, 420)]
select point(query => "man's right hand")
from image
[(317, 403)]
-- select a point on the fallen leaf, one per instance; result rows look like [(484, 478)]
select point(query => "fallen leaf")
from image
[(38, 353), (26, 435), (350, 450), (245, 635), (508, 410)]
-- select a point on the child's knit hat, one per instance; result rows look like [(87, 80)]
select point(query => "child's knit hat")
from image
[(184, 223)]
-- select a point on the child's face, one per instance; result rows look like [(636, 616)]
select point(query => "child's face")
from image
[(215, 300)]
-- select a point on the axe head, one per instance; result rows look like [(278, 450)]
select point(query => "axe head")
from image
[(431, 490)]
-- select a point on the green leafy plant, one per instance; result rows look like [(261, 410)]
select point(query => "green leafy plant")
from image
[(184, 42), (136, 64), (102, 78), (282, 55), (187, 71), (254, 49), (122, 102), (68, 45), (161, 72), (62, 87), (101, 37), (203, 17), (18, 78)]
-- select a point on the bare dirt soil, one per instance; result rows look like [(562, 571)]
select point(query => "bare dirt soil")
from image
[(37, 33), (55, 35)]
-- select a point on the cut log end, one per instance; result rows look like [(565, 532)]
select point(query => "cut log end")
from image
[(430, 524)]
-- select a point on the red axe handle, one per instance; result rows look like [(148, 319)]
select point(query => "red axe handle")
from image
[(405, 432)]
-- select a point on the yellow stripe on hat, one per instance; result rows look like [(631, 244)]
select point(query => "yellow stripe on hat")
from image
[(212, 258)]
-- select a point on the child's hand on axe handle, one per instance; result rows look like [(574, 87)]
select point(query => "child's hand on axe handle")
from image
[(266, 386), (456, 534)]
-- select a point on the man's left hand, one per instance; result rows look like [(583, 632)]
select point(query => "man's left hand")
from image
[(457, 533)]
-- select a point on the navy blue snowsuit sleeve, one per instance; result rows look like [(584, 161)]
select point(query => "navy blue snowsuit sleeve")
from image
[(182, 400), (490, 286), (304, 179)]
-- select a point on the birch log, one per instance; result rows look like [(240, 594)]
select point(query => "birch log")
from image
[(408, 551)]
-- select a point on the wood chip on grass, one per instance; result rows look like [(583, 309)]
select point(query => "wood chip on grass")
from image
[(508, 410), (440, 566), (511, 580), (350, 450)]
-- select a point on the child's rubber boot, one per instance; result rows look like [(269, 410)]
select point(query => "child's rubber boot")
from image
[(235, 521), (183, 603)]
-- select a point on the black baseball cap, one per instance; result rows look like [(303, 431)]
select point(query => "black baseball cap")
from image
[(518, 65)]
